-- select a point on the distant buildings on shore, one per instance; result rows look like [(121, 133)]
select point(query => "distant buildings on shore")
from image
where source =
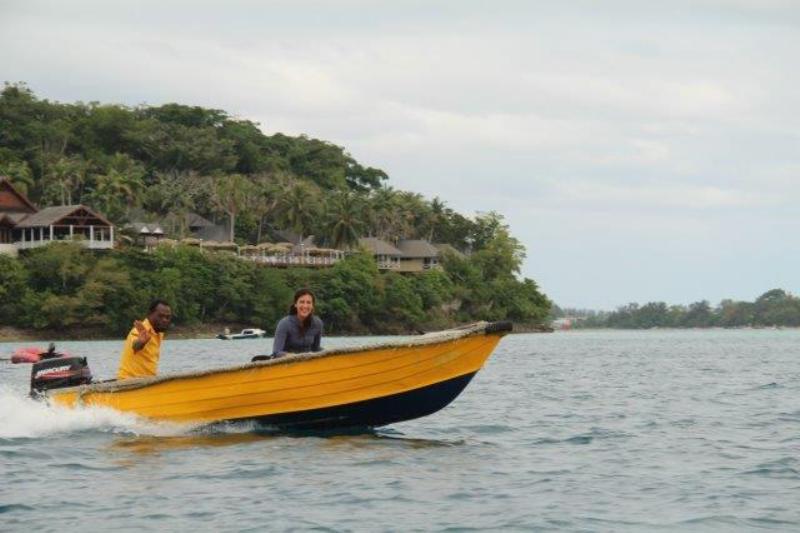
[(23, 226)]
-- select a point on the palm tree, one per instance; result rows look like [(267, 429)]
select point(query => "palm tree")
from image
[(20, 175), (413, 213), (63, 176), (264, 199), (229, 194), (297, 206), (175, 194), (344, 219), (116, 192), (436, 216), (383, 206)]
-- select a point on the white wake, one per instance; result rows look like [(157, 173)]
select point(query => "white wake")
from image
[(23, 417)]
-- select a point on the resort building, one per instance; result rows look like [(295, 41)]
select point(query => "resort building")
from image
[(386, 255), (22, 226), (418, 255), (147, 235), (410, 255)]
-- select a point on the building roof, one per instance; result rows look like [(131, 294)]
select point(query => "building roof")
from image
[(146, 228), (7, 221), (80, 215), (24, 204), (417, 248), (193, 220), (379, 247), (215, 232), (288, 235), (16, 217)]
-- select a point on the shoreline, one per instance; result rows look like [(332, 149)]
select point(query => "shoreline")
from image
[(200, 331), (12, 334)]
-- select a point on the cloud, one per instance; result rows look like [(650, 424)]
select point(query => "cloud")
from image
[(661, 196), (596, 127)]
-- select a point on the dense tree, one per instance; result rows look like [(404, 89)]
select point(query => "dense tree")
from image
[(59, 268), (774, 308), (298, 207), (160, 163), (118, 188), (13, 288), (264, 199), (401, 301), (344, 218), (159, 159), (18, 172), (172, 195), (230, 194)]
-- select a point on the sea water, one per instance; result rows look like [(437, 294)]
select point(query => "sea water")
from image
[(574, 431)]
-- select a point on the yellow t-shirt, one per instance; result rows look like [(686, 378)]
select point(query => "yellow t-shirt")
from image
[(135, 364)]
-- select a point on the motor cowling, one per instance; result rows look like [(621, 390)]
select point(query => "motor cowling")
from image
[(59, 373)]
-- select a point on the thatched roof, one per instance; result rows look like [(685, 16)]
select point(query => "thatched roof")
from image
[(145, 228), (281, 247), (195, 221), (220, 245), (16, 217), (321, 251), (379, 247), (76, 215), (416, 248)]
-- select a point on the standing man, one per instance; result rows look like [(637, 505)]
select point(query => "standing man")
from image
[(143, 345)]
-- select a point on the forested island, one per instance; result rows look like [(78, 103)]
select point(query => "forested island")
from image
[(165, 162), (774, 308)]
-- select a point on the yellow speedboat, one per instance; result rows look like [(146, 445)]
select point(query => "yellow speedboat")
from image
[(365, 386)]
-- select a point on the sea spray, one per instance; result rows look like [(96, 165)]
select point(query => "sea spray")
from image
[(23, 417)]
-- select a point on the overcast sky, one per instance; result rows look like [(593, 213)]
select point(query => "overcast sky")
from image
[(640, 150)]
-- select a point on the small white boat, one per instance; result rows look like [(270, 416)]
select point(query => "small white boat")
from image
[(252, 333)]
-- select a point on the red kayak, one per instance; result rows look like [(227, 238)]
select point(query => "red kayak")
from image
[(33, 354)]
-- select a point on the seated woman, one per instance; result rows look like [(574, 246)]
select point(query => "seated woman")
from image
[(301, 330)]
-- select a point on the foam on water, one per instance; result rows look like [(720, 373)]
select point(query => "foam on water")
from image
[(22, 417)]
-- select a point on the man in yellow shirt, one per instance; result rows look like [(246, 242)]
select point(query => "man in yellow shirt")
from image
[(143, 344)]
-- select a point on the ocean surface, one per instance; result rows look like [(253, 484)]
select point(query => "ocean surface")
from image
[(573, 431)]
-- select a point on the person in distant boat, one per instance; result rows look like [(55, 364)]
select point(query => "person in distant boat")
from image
[(143, 345), (301, 330)]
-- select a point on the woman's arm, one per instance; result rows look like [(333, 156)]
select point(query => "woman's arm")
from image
[(279, 344), (317, 338)]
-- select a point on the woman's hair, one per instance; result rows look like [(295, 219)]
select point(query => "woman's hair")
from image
[(293, 309)]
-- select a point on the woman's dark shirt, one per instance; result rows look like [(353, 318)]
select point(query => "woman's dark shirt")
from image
[(288, 336)]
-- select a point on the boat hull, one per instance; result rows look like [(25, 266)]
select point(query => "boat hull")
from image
[(372, 413), (338, 389)]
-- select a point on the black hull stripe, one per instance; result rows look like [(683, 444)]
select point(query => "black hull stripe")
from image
[(371, 413)]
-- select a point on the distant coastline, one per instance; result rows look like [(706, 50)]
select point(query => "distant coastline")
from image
[(12, 334), (199, 331), (775, 308)]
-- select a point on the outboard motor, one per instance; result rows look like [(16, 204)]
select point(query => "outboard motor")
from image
[(58, 373)]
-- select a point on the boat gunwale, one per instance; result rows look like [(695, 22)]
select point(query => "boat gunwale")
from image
[(112, 386)]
